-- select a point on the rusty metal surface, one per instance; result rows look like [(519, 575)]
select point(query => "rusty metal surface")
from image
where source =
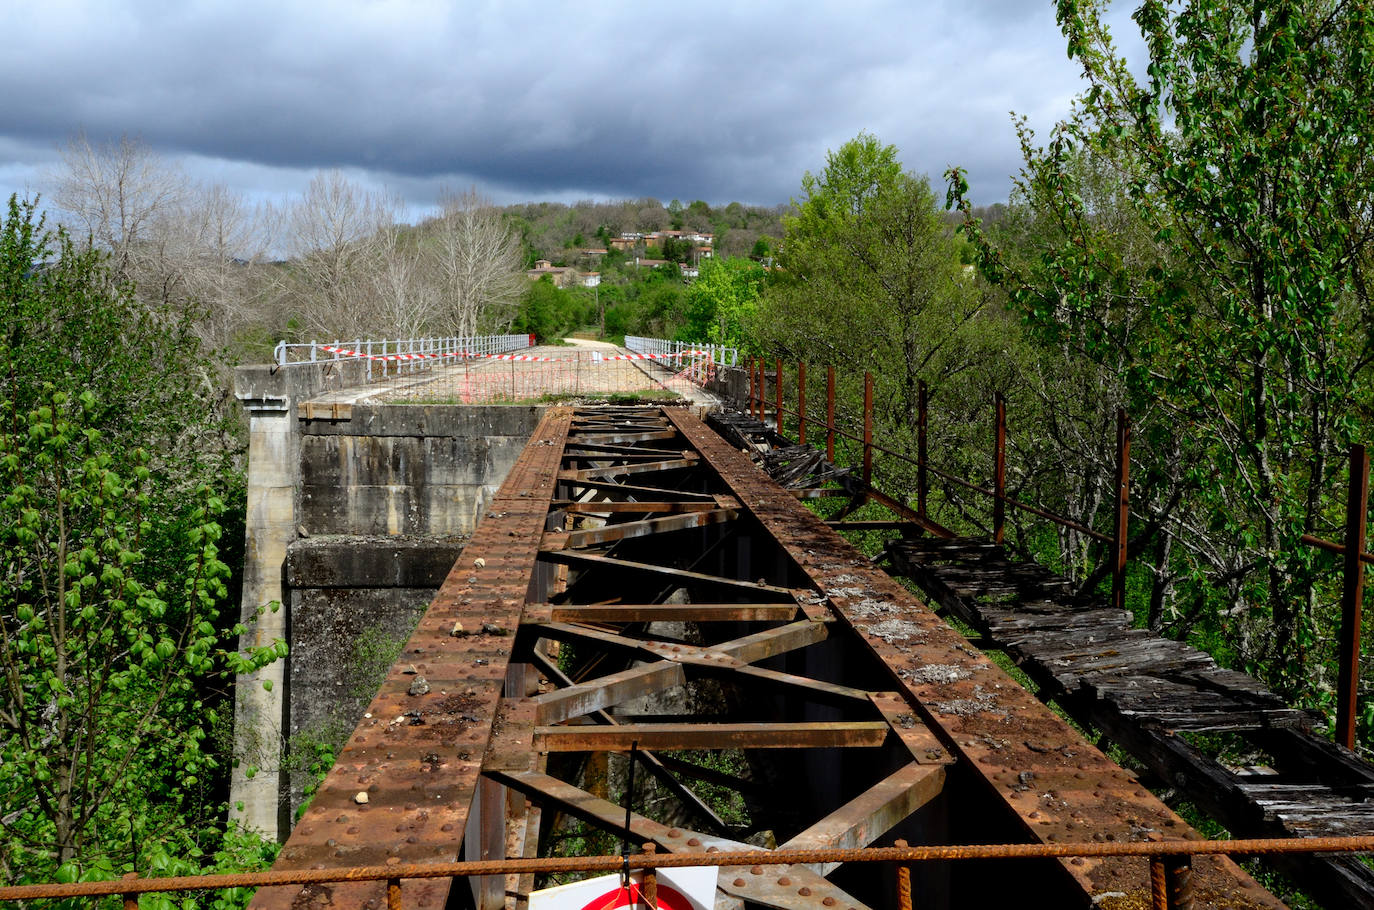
[(400, 789), (1059, 786), (660, 538), (691, 855), (872, 813), (694, 612), (649, 526), (676, 736)]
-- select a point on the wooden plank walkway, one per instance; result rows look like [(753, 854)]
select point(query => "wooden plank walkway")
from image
[(1141, 690)]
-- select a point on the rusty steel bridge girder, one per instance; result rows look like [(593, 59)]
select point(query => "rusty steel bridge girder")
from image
[(476, 745)]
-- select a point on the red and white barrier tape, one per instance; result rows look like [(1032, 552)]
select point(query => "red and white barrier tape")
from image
[(345, 352)]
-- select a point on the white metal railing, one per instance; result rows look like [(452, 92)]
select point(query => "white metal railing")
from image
[(400, 355), (720, 355)]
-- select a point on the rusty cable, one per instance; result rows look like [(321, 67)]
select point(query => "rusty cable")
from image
[(1249, 847)]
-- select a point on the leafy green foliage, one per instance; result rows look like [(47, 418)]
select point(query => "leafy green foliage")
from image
[(549, 312), (116, 661), (1201, 239), (869, 280), (722, 301)]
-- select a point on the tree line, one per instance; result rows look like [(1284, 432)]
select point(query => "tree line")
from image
[(342, 260), (1192, 247)]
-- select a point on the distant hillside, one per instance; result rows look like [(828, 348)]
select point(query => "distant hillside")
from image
[(554, 231)]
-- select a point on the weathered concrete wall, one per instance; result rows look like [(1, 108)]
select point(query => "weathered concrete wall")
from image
[(413, 471), (353, 603)]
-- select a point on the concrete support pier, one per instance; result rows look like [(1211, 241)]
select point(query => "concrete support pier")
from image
[(350, 513), (269, 396)]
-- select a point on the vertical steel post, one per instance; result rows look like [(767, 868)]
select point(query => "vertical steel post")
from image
[(649, 889), (1121, 523), (763, 390), (1352, 597), (1159, 886), (868, 428), (922, 416), (830, 414), (393, 894), (801, 404), (1178, 879), (758, 382), (903, 880), (999, 468), (752, 390), (777, 381), (130, 898)]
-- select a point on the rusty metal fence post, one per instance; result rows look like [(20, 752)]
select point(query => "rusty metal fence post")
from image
[(130, 899), (903, 881), (1171, 882), (753, 388), (868, 429), (830, 414), (754, 381), (1123, 508), (922, 415), (1352, 597), (777, 382), (649, 889), (999, 467), (393, 894), (763, 389), (801, 403), (1159, 886), (1178, 876)]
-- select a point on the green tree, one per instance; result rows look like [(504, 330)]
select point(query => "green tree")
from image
[(677, 249), (870, 278), (115, 660), (722, 302), (1243, 157)]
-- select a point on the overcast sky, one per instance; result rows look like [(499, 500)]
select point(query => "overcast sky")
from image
[(544, 100)]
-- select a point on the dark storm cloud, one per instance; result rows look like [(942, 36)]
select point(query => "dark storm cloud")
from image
[(710, 101)]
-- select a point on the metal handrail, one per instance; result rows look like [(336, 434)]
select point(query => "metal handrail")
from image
[(720, 355), (1154, 850), (406, 355)]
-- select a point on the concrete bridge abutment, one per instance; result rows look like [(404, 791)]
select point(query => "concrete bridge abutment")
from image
[(354, 517)]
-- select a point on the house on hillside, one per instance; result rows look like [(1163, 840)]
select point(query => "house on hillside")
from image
[(561, 276)]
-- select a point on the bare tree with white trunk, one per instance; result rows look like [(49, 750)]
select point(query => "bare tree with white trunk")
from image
[(332, 234), (475, 258), (186, 246)]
